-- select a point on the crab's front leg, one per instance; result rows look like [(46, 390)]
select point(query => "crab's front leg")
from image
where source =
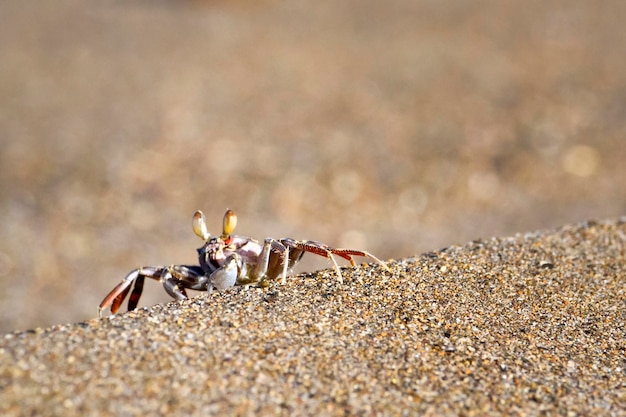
[(174, 278), (134, 280)]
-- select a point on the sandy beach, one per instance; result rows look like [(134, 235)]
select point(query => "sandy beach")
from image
[(527, 325)]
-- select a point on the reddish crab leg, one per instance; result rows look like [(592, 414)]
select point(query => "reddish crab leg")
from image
[(174, 278), (348, 253), (121, 290), (115, 298), (135, 295), (326, 251)]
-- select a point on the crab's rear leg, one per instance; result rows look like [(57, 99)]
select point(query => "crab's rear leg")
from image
[(349, 253), (318, 249), (328, 252)]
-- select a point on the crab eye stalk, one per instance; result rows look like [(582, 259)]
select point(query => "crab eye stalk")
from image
[(230, 222), (199, 226)]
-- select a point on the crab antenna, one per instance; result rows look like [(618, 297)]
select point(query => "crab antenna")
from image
[(230, 222), (199, 226)]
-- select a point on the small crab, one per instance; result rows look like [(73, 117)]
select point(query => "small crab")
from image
[(226, 261)]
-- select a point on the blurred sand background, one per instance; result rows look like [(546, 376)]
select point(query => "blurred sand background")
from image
[(396, 127)]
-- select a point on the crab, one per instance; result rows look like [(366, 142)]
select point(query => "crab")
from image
[(225, 261)]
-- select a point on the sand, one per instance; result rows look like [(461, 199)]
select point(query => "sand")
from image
[(532, 324)]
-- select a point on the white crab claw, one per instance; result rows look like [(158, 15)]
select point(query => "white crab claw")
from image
[(226, 276)]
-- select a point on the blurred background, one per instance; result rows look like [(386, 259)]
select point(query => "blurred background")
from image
[(397, 127)]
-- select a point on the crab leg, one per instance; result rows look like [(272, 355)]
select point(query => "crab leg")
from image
[(348, 253), (171, 285), (119, 293), (170, 276), (119, 299), (176, 278), (328, 252), (318, 249), (134, 296)]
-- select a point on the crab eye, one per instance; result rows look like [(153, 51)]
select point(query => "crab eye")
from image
[(230, 222), (199, 226)]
